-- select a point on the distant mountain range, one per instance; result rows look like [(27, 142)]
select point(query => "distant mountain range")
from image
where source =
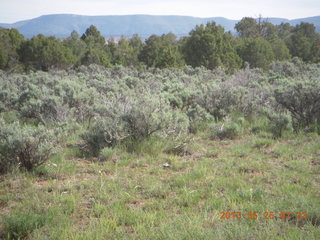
[(61, 25)]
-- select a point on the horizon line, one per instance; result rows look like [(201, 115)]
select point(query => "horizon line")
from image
[(156, 15)]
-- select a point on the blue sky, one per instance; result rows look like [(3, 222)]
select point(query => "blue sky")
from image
[(16, 10)]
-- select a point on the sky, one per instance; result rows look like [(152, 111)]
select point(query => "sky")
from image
[(16, 10)]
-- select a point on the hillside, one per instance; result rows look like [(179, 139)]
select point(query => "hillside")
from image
[(61, 25)]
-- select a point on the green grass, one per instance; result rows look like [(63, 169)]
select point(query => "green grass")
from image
[(135, 197)]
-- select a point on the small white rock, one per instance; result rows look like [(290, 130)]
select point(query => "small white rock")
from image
[(166, 165)]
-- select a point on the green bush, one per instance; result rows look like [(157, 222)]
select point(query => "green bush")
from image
[(278, 123), (178, 147), (133, 128), (226, 130), (25, 147), (100, 135), (262, 143), (300, 96), (106, 154), (259, 124), (136, 121), (18, 225)]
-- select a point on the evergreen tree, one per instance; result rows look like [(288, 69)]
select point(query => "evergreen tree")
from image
[(247, 28), (211, 47), (43, 53), (280, 49), (315, 49), (96, 50), (303, 42), (126, 51), (136, 45), (284, 30), (161, 52), (92, 36), (76, 45), (257, 52), (10, 42)]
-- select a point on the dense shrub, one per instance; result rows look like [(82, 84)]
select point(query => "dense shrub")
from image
[(19, 224), (226, 130), (103, 133), (302, 99), (124, 104), (25, 147), (135, 123), (106, 154), (278, 123)]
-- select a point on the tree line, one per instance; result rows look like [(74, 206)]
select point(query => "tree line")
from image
[(257, 44)]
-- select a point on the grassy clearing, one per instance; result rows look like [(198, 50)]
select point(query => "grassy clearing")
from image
[(133, 196)]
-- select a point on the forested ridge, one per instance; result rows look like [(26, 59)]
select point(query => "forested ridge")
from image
[(258, 43)]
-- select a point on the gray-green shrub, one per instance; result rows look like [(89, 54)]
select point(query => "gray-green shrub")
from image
[(302, 99), (226, 130), (25, 147), (121, 104)]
